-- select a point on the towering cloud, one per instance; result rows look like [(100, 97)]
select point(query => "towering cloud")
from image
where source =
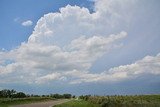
[(65, 45)]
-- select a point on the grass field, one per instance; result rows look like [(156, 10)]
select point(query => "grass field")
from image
[(77, 103), (5, 102), (115, 101), (126, 101)]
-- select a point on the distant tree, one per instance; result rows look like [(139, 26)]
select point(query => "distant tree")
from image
[(1, 94), (67, 95), (19, 95), (43, 95), (73, 96), (5, 93), (12, 92), (57, 96)]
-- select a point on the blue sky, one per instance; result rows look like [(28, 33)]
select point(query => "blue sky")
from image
[(80, 46), (12, 32)]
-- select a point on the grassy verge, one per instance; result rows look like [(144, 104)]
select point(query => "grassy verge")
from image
[(115, 101), (77, 103), (5, 102)]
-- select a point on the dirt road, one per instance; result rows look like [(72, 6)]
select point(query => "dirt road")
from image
[(43, 104)]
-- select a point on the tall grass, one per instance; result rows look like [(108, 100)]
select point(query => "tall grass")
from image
[(126, 101)]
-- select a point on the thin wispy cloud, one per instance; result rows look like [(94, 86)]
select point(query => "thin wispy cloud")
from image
[(27, 23), (17, 19)]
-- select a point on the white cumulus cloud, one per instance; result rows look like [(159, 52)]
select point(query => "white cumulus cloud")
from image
[(64, 45)]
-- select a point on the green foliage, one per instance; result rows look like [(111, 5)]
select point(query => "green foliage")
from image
[(124, 101), (5, 102), (12, 97), (56, 96), (7, 93), (77, 103), (67, 95), (73, 96), (19, 95), (59, 96), (3, 105), (11, 94), (84, 97)]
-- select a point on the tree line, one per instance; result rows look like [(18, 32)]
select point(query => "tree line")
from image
[(6, 93), (11, 94)]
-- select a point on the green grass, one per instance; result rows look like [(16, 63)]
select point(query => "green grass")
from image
[(5, 102), (126, 101), (77, 103), (115, 101), (3, 105)]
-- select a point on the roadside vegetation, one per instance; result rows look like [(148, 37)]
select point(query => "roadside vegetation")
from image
[(114, 101), (5, 102), (77, 103), (12, 97)]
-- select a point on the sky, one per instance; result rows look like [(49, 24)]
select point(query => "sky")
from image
[(102, 47)]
